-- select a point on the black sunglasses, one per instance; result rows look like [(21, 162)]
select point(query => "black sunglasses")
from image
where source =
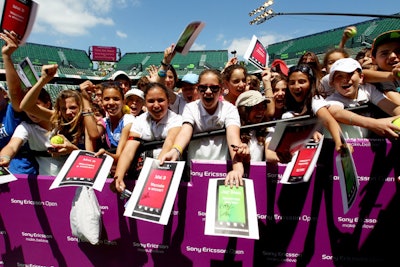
[(302, 68), (203, 88), (111, 84)]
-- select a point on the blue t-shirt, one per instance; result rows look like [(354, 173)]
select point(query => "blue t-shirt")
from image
[(115, 135), (24, 161)]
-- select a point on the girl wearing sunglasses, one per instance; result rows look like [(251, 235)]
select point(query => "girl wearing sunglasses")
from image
[(209, 114)]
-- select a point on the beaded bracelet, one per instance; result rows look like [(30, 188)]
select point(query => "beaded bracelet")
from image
[(5, 157), (87, 114), (164, 64)]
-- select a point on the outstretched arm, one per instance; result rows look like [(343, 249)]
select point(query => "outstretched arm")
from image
[(129, 151), (87, 89), (10, 150), (382, 127), (239, 153), (348, 33), (332, 125), (29, 102), (180, 143), (169, 54), (169, 141), (266, 77), (15, 92)]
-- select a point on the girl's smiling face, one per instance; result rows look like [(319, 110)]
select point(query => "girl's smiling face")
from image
[(135, 103), (69, 108), (113, 101), (157, 103), (257, 112), (170, 80), (299, 85), (208, 98), (279, 94), (237, 82)]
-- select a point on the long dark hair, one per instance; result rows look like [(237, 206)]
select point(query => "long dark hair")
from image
[(314, 63), (302, 108)]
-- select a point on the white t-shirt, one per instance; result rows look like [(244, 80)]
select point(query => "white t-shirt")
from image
[(38, 140), (257, 150), (317, 102), (179, 104), (367, 93), (211, 147), (149, 130)]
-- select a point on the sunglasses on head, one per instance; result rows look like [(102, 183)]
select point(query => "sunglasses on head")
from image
[(203, 88), (302, 68), (111, 84)]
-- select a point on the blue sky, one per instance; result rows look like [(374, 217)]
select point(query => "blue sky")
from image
[(152, 25)]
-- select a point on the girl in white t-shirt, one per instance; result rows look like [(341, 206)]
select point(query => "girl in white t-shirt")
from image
[(158, 123), (302, 98), (209, 114)]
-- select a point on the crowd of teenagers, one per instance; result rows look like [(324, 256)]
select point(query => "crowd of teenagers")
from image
[(117, 118)]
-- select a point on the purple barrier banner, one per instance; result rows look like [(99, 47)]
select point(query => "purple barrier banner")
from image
[(299, 224)]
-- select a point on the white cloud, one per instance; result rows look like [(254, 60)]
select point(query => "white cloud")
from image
[(99, 6), (241, 44), (220, 37), (197, 46), (122, 34), (71, 18), (126, 3)]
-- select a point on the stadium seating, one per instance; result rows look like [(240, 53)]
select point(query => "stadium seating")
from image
[(75, 65), (319, 43)]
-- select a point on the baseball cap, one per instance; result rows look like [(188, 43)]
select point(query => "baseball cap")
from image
[(250, 98), (279, 64), (347, 65), (191, 78), (119, 73), (136, 92), (384, 38)]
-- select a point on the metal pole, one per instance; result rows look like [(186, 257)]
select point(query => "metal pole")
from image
[(340, 14)]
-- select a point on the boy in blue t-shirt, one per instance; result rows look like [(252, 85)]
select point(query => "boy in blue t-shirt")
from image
[(10, 113)]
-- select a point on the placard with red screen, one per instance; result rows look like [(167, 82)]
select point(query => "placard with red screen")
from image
[(16, 16), (302, 163), (83, 170)]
